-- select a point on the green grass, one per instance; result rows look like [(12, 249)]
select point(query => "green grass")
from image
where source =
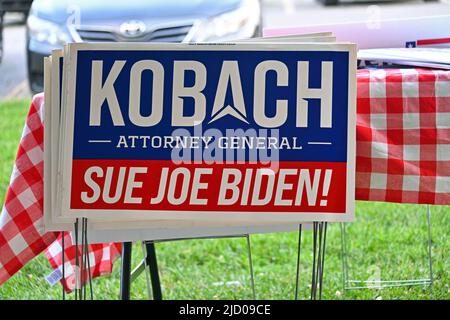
[(387, 240)]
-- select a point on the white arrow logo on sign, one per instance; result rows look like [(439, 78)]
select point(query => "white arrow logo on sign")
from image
[(229, 75), (235, 112)]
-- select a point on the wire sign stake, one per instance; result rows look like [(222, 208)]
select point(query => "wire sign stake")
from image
[(319, 242), (318, 265), (83, 276), (380, 284)]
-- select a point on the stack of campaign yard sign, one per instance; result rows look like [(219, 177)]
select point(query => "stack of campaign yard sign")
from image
[(167, 141)]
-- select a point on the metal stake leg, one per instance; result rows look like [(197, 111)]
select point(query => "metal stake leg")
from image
[(313, 280), (147, 277), (153, 266), (250, 263), (125, 271), (83, 262), (319, 259), (322, 267), (430, 261), (77, 262), (297, 278), (63, 265), (344, 258), (88, 261)]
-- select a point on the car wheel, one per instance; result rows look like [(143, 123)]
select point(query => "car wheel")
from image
[(30, 77), (35, 71)]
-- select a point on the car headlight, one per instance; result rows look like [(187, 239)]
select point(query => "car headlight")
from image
[(46, 31), (241, 22)]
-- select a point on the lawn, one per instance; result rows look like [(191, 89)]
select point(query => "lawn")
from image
[(387, 241)]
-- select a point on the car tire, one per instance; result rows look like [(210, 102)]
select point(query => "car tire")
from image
[(31, 84), (34, 72)]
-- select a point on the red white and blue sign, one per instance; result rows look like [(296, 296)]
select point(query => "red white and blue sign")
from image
[(222, 131)]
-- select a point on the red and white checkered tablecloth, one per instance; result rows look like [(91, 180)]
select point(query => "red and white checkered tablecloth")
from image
[(403, 155), (22, 235), (403, 136), (101, 257)]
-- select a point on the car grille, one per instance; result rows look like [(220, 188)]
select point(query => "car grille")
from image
[(165, 34)]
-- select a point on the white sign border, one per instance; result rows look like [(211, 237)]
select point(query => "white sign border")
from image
[(70, 63)]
